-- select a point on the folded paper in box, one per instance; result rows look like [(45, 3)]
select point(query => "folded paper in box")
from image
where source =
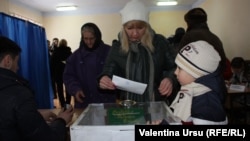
[(238, 88)]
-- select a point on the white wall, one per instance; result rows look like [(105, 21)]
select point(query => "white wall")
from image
[(229, 19)]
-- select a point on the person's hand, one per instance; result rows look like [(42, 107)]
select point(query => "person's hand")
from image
[(166, 87), (106, 83), (156, 122), (67, 114), (79, 96), (228, 83), (47, 115)]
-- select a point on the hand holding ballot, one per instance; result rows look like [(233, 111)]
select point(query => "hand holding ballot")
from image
[(106, 83), (122, 84), (128, 85)]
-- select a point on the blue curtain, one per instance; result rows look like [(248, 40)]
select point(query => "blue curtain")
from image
[(34, 58)]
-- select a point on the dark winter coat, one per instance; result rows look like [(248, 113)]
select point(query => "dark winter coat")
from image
[(59, 58), (163, 61), (19, 118), (210, 106), (81, 72)]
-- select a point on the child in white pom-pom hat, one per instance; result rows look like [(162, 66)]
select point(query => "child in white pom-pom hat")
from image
[(200, 100)]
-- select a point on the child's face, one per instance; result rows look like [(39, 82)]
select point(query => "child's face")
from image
[(183, 77)]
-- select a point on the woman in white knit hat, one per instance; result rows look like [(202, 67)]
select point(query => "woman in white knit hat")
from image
[(200, 99), (140, 55)]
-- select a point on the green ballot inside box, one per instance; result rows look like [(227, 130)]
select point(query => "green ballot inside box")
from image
[(123, 116)]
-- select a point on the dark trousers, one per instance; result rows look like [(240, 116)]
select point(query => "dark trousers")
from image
[(54, 87), (60, 91)]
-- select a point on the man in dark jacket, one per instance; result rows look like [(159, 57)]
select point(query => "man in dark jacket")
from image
[(197, 29), (19, 118)]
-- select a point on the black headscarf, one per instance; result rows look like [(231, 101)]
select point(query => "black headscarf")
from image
[(97, 34)]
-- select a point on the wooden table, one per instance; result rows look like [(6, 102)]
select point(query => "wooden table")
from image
[(233, 94), (234, 106), (77, 112)]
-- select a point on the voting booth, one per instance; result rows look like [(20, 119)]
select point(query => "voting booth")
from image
[(115, 122)]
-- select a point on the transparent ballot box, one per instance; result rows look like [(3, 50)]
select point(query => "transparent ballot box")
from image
[(115, 122)]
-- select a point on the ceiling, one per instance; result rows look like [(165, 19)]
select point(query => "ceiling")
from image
[(98, 6)]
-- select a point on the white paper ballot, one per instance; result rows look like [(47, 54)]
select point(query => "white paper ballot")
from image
[(238, 88), (128, 85)]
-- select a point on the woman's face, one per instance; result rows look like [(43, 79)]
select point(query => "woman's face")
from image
[(89, 39), (135, 30)]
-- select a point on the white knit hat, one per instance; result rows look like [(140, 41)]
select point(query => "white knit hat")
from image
[(198, 58), (134, 10)]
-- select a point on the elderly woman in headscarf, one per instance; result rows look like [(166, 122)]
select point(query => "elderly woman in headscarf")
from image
[(83, 67)]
